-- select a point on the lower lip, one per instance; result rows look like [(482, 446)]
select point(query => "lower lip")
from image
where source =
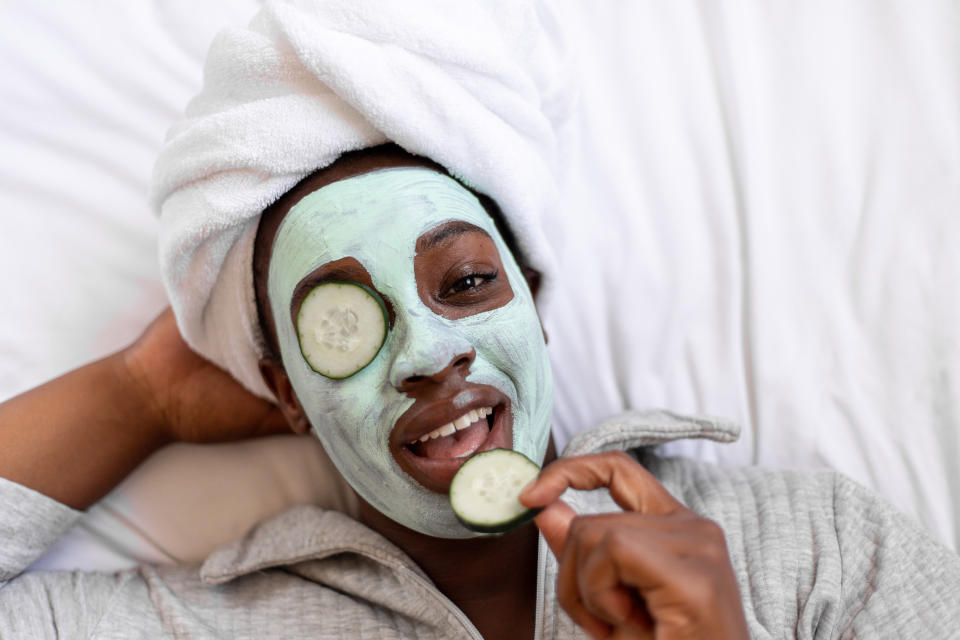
[(436, 473)]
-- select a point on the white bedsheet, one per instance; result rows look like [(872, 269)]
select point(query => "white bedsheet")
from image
[(762, 218)]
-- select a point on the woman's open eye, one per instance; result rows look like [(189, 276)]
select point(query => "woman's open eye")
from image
[(471, 282)]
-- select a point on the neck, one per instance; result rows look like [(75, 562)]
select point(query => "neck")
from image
[(492, 579)]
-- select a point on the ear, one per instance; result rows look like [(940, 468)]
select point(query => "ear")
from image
[(532, 276), (277, 381)]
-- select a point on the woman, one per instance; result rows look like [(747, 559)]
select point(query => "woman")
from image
[(811, 553)]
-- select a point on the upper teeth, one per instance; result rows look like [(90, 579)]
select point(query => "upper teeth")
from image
[(460, 423)]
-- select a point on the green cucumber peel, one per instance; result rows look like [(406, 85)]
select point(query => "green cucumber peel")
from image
[(484, 491)]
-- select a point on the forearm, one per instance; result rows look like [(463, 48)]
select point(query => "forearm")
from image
[(76, 437)]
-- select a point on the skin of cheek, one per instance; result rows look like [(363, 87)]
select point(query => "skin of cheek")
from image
[(510, 349), (353, 417)]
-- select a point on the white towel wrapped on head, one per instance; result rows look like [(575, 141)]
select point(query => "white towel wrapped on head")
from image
[(476, 87)]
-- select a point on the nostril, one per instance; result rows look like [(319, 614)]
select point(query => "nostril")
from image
[(459, 365)]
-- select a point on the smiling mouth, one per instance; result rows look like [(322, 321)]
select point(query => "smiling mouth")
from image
[(434, 457), (457, 439)]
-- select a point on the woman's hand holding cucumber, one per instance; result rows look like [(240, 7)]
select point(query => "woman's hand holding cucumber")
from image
[(654, 570)]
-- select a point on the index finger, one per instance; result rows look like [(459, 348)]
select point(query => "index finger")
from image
[(631, 486)]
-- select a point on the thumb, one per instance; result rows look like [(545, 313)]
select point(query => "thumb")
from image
[(554, 523)]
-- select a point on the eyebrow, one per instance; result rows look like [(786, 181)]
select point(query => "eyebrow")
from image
[(432, 238), (321, 275)]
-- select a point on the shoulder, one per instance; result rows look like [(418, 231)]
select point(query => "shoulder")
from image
[(812, 549), (731, 493), (816, 544)]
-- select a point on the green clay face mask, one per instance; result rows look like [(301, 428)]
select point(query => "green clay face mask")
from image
[(377, 218)]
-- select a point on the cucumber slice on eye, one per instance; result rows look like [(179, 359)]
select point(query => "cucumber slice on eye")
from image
[(341, 327), (483, 493)]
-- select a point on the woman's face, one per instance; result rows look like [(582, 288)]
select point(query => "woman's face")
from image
[(463, 337)]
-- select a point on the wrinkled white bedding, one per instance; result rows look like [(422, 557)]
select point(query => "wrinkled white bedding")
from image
[(762, 218), (778, 242)]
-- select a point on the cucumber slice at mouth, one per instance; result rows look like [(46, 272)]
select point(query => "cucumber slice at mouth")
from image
[(341, 327), (483, 493)]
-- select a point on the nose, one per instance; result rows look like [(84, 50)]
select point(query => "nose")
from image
[(429, 354), (458, 366)]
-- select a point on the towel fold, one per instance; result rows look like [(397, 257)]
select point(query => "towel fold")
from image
[(478, 87)]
